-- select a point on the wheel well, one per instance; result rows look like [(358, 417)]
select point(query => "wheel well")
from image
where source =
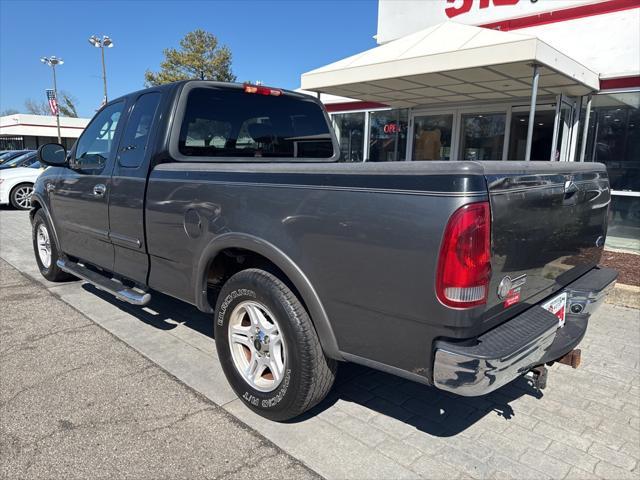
[(35, 204), (19, 185), (230, 261)]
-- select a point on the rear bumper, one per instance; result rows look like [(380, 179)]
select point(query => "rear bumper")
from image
[(484, 364)]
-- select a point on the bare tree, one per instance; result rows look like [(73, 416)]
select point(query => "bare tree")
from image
[(36, 107), (67, 104)]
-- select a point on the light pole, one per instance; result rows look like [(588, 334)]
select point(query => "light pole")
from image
[(101, 43), (52, 61)]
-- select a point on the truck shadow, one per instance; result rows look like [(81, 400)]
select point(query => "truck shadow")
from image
[(422, 407), (162, 312), (371, 392)]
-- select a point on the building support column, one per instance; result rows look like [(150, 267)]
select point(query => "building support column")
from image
[(532, 111)]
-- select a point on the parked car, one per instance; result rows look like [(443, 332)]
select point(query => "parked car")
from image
[(11, 154), (458, 274), (24, 160), (16, 185)]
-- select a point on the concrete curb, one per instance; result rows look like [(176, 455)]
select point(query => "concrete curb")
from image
[(625, 295)]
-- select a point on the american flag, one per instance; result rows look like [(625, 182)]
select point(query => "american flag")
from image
[(53, 102)]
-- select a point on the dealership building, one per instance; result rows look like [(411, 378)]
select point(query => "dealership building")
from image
[(554, 80), (24, 131)]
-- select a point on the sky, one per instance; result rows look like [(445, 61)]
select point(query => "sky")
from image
[(271, 41)]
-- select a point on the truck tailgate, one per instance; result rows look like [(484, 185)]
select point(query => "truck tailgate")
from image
[(549, 222)]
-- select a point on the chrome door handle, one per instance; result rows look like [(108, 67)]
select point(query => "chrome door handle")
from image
[(99, 190)]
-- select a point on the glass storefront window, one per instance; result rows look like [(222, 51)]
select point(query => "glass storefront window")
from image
[(432, 137), (349, 129), (624, 223), (542, 135), (388, 135), (482, 136), (614, 139)]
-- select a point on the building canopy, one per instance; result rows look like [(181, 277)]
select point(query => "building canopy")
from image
[(451, 62)]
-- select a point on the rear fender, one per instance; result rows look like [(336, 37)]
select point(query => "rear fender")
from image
[(284, 263)]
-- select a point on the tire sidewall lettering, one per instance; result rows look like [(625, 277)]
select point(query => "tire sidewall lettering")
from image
[(241, 292)]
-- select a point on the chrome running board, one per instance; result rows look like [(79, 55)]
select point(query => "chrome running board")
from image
[(105, 284)]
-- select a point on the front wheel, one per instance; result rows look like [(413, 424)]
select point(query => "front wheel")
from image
[(46, 250), (20, 196), (268, 347)]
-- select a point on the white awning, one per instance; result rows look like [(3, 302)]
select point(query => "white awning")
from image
[(452, 62)]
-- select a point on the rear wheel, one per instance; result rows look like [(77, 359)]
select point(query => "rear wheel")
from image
[(21, 196), (46, 250), (268, 347)]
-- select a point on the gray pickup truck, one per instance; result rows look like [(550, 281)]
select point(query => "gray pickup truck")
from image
[(459, 275)]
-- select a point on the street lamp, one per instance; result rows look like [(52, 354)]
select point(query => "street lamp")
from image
[(52, 61), (101, 43)]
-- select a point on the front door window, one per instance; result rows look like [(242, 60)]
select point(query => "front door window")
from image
[(96, 143), (388, 136), (432, 137)]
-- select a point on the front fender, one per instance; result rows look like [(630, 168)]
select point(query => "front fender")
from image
[(284, 263), (38, 202)]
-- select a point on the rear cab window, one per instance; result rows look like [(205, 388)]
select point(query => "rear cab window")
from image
[(222, 123)]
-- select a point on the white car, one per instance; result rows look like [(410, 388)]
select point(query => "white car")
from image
[(16, 185)]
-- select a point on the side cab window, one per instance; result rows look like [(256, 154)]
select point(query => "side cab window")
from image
[(97, 142), (138, 130)]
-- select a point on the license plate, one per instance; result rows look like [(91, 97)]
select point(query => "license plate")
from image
[(557, 306)]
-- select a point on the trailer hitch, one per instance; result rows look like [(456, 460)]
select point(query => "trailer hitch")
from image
[(539, 377)]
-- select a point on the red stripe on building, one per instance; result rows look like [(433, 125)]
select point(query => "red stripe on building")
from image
[(343, 107), (624, 82), (573, 13)]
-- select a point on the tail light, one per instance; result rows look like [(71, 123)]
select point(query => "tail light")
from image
[(464, 264), (260, 90)]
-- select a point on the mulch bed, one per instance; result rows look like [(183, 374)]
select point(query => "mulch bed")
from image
[(627, 264)]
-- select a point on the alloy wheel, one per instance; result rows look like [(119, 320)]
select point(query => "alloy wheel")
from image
[(22, 196), (44, 245), (257, 346)]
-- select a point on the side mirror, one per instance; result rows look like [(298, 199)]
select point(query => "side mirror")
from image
[(52, 154)]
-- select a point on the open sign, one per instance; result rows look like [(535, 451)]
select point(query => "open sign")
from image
[(391, 128)]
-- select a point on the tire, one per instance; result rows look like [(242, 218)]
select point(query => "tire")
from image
[(49, 269), (20, 196), (306, 375)]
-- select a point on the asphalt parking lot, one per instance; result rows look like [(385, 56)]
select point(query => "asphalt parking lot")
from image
[(586, 424), (75, 402)]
